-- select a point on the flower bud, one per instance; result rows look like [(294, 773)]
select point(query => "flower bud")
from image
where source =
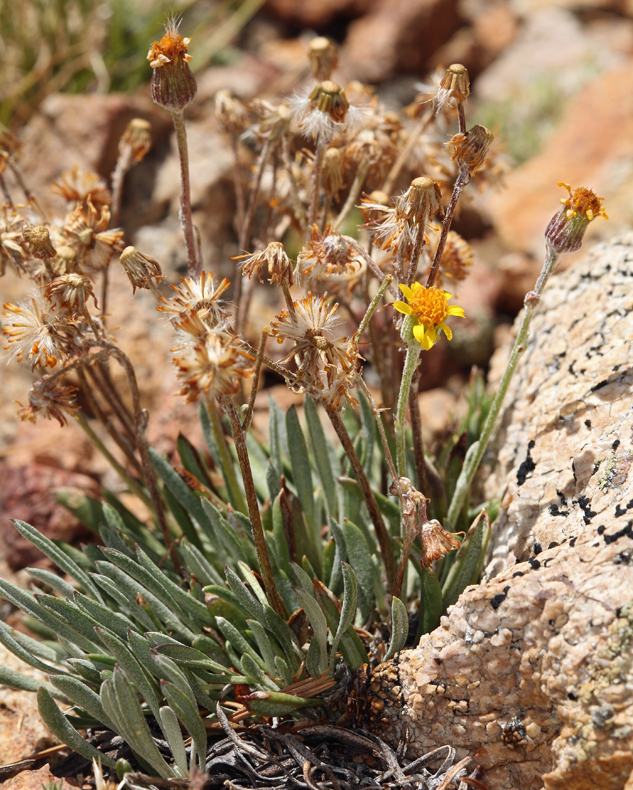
[(39, 241), (421, 201), (329, 98), (471, 148), (454, 86), (323, 55), (566, 230), (173, 85)]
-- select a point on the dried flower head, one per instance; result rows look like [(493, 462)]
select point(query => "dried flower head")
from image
[(198, 295), (39, 242), (328, 260), (230, 112), (88, 236), (471, 148), (38, 330), (271, 264), (49, 399), (137, 137), (10, 148), (212, 367), (77, 186), (326, 111), (436, 542), (566, 230), (421, 201), (323, 55), (12, 247), (457, 258), (333, 159), (142, 271), (173, 85), (429, 307), (71, 291), (454, 88), (339, 387)]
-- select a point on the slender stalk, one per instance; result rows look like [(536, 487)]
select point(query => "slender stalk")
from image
[(418, 439), (354, 192), (384, 539), (415, 255), (225, 457), (476, 451), (129, 481), (237, 181), (245, 230), (373, 306), (410, 364), (371, 263), (258, 366), (253, 506), (463, 179), (424, 121), (124, 163), (299, 209), (316, 182), (461, 118), (186, 219), (381, 427)]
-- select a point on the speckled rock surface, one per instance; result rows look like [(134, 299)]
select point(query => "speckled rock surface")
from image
[(532, 671)]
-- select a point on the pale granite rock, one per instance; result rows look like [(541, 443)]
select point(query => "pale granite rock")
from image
[(532, 671)]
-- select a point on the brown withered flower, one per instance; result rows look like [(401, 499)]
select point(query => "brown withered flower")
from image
[(137, 137), (48, 398), (471, 148), (457, 258), (328, 260), (454, 88), (37, 330), (77, 186), (566, 230), (230, 112), (142, 271), (323, 55), (326, 111), (39, 242), (71, 291), (88, 235), (173, 85), (212, 367), (333, 161), (272, 264), (12, 247), (198, 295)]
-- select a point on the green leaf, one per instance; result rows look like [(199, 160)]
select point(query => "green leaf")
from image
[(467, 559), (239, 642), (251, 667), (399, 628), (52, 580), (86, 509), (69, 614), (264, 646), (282, 633), (117, 623), (84, 698), (222, 535), (431, 602), (319, 627), (59, 726), (123, 600), (318, 441), (16, 680), (302, 474), (60, 558), (276, 703), (281, 539), (171, 728), (8, 639), (248, 602), (336, 578), (304, 579), (359, 557), (348, 608), (187, 711), (370, 430), (195, 562)]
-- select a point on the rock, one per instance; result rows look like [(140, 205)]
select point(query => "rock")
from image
[(316, 13), (35, 780), (397, 37), (532, 670), (593, 147)]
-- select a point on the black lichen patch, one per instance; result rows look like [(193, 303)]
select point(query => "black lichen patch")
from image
[(585, 505), (537, 549), (588, 424), (499, 598), (624, 532), (527, 466), (623, 558), (534, 563), (555, 511), (599, 385), (552, 545)]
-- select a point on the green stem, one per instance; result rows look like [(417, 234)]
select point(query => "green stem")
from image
[(410, 364), (354, 192), (476, 451), (373, 305), (228, 470)]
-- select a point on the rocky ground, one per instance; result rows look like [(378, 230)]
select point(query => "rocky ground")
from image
[(556, 79)]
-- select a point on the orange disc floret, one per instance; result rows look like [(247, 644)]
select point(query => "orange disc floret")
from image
[(171, 48), (429, 306), (566, 229), (583, 201)]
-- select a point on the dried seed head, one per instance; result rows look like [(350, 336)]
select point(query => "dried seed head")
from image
[(566, 230), (457, 259), (71, 291), (329, 98), (325, 111), (137, 137), (369, 202), (323, 55), (78, 186), (200, 296), (436, 542), (142, 271), (454, 87), (333, 170), (49, 399), (230, 112), (39, 241), (421, 201), (88, 235), (38, 330), (272, 264), (12, 245), (471, 148), (173, 85), (328, 261)]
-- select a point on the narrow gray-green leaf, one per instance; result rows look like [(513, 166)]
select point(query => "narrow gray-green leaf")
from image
[(187, 712), (399, 628), (318, 441), (302, 475), (117, 623), (195, 562), (248, 602), (319, 627), (348, 609), (239, 642), (303, 579), (84, 698), (251, 667), (16, 680), (52, 580), (125, 601), (59, 725), (171, 728), (264, 645), (465, 563), (11, 643), (359, 557)]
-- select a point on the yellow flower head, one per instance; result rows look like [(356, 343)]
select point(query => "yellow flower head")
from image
[(429, 306)]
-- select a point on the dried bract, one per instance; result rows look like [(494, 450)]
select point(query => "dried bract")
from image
[(77, 186), (271, 264), (71, 291), (49, 399), (89, 237), (198, 295), (38, 331), (457, 258), (454, 88), (142, 271), (471, 148)]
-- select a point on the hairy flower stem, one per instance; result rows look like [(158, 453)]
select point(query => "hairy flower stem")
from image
[(124, 163), (297, 205), (258, 366), (316, 181), (186, 219), (371, 263), (245, 231), (265, 568), (410, 364), (476, 451), (461, 118), (404, 155), (384, 539), (373, 306), (415, 255), (236, 496), (463, 179), (354, 192), (237, 181), (416, 431)]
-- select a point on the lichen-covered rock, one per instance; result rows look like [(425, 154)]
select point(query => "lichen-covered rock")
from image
[(532, 671)]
